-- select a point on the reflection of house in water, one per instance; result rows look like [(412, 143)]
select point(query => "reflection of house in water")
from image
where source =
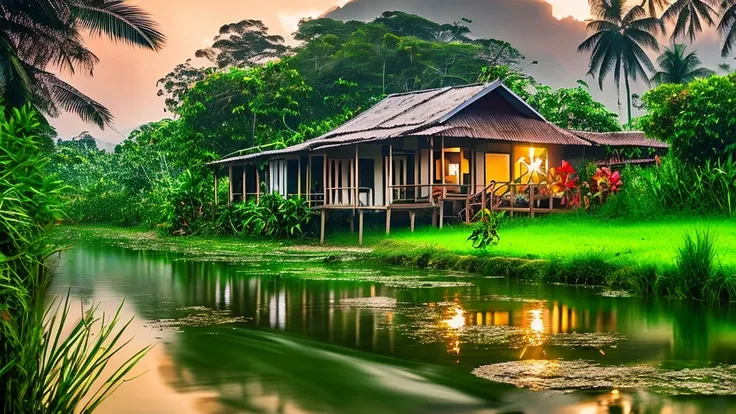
[(547, 318)]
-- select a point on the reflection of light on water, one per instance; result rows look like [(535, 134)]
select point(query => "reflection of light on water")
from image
[(454, 321), (613, 402), (536, 327), (537, 324), (457, 320)]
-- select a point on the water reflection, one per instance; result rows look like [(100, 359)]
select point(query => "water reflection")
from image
[(316, 326)]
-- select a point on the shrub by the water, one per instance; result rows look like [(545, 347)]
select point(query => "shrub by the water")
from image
[(272, 216)]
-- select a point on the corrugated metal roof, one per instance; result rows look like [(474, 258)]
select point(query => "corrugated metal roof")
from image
[(621, 139), (508, 127), (458, 111)]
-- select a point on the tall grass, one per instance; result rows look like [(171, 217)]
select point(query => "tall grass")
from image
[(41, 372), (674, 187)]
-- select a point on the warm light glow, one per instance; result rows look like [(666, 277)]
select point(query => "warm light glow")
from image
[(577, 9), (457, 320), (537, 324)]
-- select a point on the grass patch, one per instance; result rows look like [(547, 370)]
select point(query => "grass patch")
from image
[(649, 243)]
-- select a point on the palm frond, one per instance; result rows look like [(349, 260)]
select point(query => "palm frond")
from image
[(72, 100), (121, 21), (727, 29)]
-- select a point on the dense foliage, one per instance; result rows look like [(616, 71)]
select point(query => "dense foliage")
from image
[(698, 119), (41, 370)]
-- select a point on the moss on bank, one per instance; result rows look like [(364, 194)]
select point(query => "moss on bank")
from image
[(591, 268)]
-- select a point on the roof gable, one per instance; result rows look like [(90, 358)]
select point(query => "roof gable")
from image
[(498, 87)]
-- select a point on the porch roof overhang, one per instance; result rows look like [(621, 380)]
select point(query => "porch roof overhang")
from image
[(621, 139)]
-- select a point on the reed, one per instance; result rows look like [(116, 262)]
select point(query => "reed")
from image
[(41, 370)]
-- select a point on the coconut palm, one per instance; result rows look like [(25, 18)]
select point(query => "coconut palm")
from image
[(675, 66), (38, 37), (727, 26), (620, 36), (689, 16)]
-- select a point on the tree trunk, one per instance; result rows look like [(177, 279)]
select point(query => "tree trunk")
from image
[(384, 77), (628, 98)]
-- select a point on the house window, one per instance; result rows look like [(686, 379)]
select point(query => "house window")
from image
[(530, 165), (498, 168)]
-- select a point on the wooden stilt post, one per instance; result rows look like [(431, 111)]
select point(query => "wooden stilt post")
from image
[(388, 220), (323, 218), (352, 223), (360, 227), (442, 215), (230, 185), (412, 217), (214, 173)]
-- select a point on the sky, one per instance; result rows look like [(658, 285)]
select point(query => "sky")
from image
[(125, 80)]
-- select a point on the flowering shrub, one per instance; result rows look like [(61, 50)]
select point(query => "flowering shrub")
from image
[(604, 183), (562, 181)]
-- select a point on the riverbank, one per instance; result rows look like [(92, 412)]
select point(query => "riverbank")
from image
[(641, 257)]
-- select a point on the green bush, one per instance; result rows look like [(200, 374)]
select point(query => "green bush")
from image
[(272, 216), (698, 119)]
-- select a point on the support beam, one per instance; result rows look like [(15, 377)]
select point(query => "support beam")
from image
[(444, 173), (357, 183), (243, 196), (299, 179), (258, 185), (431, 173), (324, 180), (323, 218), (360, 227), (352, 223), (390, 175), (388, 220), (417, 154), (412, 217), (230, 185)]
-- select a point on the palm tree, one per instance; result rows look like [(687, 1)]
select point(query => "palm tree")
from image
[(677, 67), (727, 27), (617, 45), (38, 37), (689, 15)]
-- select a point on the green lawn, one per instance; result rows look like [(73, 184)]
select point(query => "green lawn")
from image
[(621, 241)]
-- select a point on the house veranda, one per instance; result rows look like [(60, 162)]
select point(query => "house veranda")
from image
[(448, 152)]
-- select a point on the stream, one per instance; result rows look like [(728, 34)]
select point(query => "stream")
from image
[(290, 333)]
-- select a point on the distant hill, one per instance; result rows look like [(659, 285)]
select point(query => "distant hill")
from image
[(528, 25)]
